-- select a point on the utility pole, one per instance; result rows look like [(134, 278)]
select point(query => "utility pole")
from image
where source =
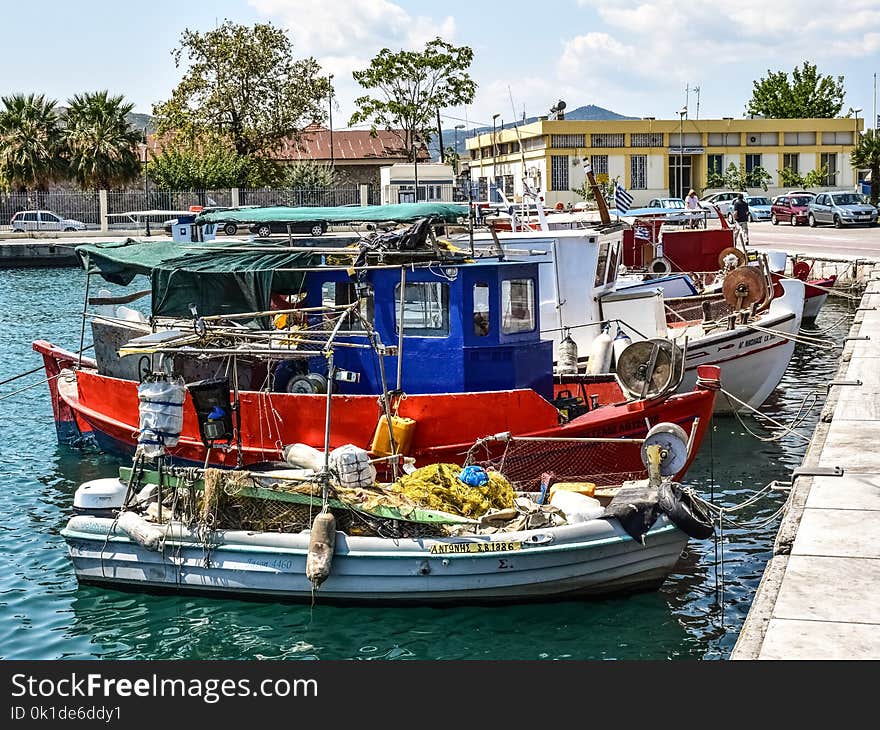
[(697, 89)]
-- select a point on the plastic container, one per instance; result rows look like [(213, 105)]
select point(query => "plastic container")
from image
[(576, 507), (588, 489), (404, 430), (160, 409)]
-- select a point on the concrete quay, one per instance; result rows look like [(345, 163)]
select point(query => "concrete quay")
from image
[(818, 598)]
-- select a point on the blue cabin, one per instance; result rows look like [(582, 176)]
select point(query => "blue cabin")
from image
[(468, 327)]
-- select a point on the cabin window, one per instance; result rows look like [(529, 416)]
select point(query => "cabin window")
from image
[(601, 263), (338, 294), (481, 309), (612, 264), (425, 309), (517, 305)]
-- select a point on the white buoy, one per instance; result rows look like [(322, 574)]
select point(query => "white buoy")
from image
[(568, 355), (621, 342), (322, 543), (601, 352)]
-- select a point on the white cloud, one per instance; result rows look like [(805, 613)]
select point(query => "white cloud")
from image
[(330, 30)]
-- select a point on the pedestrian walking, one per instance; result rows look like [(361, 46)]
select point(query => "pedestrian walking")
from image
[(692, 203), (741, 221)]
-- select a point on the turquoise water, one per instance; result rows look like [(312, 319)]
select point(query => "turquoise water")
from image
[(44, 614)]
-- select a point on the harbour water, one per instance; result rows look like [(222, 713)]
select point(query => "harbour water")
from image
[(45, 615)]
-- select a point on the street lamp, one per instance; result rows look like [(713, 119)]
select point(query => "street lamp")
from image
[(855, 144), (681, 113), (144, 150), (332, 158)]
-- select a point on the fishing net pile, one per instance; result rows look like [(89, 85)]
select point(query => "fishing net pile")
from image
[(438, 487)]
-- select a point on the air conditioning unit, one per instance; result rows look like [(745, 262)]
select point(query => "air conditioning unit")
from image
[(753, 139)]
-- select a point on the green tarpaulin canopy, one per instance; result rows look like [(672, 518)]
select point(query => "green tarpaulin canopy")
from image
[(402, 212), (216, 280)]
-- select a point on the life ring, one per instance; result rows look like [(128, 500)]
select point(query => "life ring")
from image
[(688, 515), (801, 270), (660, 266)]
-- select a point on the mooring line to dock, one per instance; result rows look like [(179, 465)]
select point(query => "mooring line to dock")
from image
[(798, 419), (28, 387)]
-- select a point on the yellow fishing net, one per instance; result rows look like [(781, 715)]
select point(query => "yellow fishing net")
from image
[(437, 487)]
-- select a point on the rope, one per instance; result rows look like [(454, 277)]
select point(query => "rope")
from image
[(28, 387), (825, 330), (790, 429), (817, 342)]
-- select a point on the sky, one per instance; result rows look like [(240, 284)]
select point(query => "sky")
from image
[(639, 59)]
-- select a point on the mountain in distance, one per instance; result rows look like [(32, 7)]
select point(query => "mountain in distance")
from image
[(590, 112)]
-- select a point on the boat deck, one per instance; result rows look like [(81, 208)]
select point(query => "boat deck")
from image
[(818, 596)]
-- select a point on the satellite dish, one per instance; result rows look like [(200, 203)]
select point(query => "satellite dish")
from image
[(673, 440), (649, 368), (743, 287), (560, 105)]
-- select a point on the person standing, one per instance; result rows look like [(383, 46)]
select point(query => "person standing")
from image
[(692, 203), (741, 220)]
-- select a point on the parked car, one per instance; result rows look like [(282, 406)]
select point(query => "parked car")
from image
[(43, 220), (790, 208), (759, 208), (671, 208), (840, 208), (228, 227), (722, 200), (266, 229)]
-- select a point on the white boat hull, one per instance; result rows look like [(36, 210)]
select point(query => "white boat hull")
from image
[(752, 361), (813, 305), (590, 558)]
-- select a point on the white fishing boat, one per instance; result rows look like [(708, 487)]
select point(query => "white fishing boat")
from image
[(528, 552)]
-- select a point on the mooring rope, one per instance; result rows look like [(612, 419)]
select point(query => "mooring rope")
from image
[(799, 417)]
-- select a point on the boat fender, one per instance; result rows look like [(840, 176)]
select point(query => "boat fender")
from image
[(568, 355), (688, 515), (600, 353), (621, 342), (304, 456), (636, 507), (142, 532), (322, 542)]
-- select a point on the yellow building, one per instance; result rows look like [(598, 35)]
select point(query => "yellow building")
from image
[(658, 157)]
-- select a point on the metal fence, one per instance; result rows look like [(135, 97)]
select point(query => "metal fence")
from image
[(82, 206), (85, 206)]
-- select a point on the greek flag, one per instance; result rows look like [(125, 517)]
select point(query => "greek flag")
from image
[(622, 199)]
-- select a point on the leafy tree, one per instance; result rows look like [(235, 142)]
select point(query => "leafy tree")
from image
[(606, 187), (411, 86), (788, 178), (813, 179), (208, 164), (736, 177), (807, 95), (31, 151), (309, 174), (453, 159), (866, 156), (101, 146), (243, 84)]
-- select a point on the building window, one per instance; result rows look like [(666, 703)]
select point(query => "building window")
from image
[(724, 139), (790, 161), (534, 143), (514, 147), (752, 163), (828, 160), (607, 140), (567, 140), (638, 168), (646, 139), (517, 306), (799, 138), (507, 185), (559, 172), (425, 309), (837, 137), (481, 309), (715, 164), (599, 163)]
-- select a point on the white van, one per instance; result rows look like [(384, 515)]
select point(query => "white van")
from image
[(43, 220)]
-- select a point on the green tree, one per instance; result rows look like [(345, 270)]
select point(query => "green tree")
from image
[(208, 164), (806, 95), (866, 156), (101, 145), (31, 151), (309, 174), (788, 178), (737, 178), (453, 159), (242, 83), (410, 86)]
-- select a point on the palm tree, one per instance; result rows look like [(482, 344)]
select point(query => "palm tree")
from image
[(101, 145), (866, 156), (31, 153)]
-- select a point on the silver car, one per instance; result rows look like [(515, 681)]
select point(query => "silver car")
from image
[(840, 208)]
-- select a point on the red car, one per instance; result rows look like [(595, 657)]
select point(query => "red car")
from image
[(790, 208)]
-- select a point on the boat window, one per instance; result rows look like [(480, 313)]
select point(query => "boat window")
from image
[(481, 309), (601, 263), (425, 309), (612, 264), (517, 306), (338, 294)]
